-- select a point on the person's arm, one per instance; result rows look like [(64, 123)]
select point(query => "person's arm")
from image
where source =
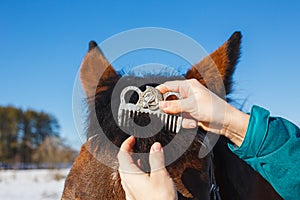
[(204, 108), (272, 147), (269, 145)]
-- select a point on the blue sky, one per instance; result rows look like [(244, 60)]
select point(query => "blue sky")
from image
[(42, 44)]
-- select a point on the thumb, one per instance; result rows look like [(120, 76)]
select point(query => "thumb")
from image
[(126, 162), (157, 161)]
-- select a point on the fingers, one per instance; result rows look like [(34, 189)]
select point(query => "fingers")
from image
[(128, 144), (156, 157), (169, 86), (189, 123), (181, 86), (176, 106), (158, 183), (157, 162), (126, 162), (133, 179)]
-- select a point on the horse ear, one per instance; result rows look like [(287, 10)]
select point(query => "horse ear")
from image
[(95, 68), (224, 58)]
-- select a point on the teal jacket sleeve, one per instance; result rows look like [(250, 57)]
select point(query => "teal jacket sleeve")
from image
[(272, 148)]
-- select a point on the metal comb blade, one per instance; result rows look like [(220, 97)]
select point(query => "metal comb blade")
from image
[(148, 103)]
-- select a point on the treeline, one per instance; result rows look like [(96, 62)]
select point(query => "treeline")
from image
[(31, 138)]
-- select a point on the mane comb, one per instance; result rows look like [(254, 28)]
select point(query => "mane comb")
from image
[(147, 104)]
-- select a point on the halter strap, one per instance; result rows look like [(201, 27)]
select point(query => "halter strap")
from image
[(214, 189)]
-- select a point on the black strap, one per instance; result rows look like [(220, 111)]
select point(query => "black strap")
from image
[(214, 189)]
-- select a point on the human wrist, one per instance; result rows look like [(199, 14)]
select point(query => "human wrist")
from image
[(235, 125)]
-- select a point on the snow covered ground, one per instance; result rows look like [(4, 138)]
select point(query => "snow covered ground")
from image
[(32, 184)]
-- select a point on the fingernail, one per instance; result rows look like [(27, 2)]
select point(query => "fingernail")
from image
[(192, 124), (157, 147), (163, 104)]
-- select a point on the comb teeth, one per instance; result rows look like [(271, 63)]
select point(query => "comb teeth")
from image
[(148, 101), (171, 123)]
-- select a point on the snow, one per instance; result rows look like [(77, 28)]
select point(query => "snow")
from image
[(32, 184)]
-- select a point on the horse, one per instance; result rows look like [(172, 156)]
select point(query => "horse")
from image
[(218, 175)]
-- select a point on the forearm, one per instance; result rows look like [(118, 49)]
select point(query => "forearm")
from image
[(235, 125)]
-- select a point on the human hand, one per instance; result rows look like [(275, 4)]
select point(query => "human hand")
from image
[(202, 107), (139, 185), (198, 104)]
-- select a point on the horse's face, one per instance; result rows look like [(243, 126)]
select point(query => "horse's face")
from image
[(100, 81)]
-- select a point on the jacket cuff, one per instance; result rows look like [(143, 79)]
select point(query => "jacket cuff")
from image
[(255, 135)]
